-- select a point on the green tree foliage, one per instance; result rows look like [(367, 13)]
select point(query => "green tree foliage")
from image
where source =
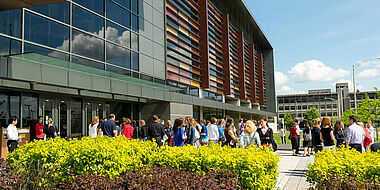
[(288, 119), (311, 115), (368, 109)]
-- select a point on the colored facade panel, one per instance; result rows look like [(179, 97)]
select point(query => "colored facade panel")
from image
[(182, 35)]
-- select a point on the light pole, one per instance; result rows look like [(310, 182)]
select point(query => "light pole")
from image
[(354, 67)]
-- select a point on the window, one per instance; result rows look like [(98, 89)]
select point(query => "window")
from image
[(28, 48), (5, 43), (118, 14), (11, 22), (46, 32), (286, 100), (135, 41), (292, 108), (298, 107), (29, 106), (304, 107), (304, 100), (118, 34), (87, 62), (292, 100), (286, 108), (118, 70), (281, 108), (323, 107), (58, 11), (135, 6), (135, 61), (87, 21), (88, 46), (125, 3), (95, 5), (135, 23), (280, 100), (118, 56)]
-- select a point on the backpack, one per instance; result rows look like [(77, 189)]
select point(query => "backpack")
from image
[(307, 136)]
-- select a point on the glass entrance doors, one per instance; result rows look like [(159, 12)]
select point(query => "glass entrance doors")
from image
[(92, 109), (57, 109)]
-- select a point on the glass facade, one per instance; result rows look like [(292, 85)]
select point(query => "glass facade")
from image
[(77, 31)]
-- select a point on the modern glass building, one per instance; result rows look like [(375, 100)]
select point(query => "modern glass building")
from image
[(80, 58)]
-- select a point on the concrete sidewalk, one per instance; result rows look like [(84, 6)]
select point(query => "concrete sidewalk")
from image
[(292, 171)]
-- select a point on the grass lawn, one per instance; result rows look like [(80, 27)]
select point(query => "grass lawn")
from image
[(277, 137)]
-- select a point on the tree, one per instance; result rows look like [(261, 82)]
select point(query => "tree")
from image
[(288, 119), (311, 115), (368, 109)]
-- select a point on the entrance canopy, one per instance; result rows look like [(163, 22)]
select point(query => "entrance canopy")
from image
[(17, 4)]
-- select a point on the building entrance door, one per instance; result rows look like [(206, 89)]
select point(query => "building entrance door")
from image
[(57, 109), (92, 109)]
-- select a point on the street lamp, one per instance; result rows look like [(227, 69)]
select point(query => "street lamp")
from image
[(354, 67)]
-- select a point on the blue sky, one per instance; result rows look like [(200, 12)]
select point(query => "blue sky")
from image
[(316, 42)]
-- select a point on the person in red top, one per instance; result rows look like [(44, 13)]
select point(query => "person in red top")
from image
[(40, 129), (294, 134), (127, 129), (367, 136)]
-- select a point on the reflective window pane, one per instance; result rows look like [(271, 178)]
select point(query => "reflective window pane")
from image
[(135, 41), (95, 5), (125, 3), (118, 34), (118, 14), (135, 6), (135, 61), (135, 23), (88, 46), (3, 110), (118, 70), (76, 118), (29, 48), (87, 21), (29, 106), (118, 56), (46, 32), (7, 44), (10, 23), (87, 62), (14, 106), (59, 11)]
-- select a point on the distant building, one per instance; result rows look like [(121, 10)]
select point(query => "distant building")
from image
[(328, 103)]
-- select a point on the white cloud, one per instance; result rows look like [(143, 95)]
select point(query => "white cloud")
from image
[(378, 66), (289, 90), (316, 71), (368, 73), (280, 78), (91, 46), (350, 85)]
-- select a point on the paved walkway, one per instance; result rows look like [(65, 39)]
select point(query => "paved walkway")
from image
[(292, 171)]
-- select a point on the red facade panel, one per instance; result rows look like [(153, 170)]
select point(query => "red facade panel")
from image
[(204, 49), (226, 54), (240, 49)]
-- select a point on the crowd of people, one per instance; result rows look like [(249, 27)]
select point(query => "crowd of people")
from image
[(188, 131), (321, 135)]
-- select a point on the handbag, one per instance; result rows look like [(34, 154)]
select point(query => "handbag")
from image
[(274, 146), (290, 136)]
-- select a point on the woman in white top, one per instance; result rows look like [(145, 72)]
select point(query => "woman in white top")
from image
[(93, 127), (212, 130), (12, 134)]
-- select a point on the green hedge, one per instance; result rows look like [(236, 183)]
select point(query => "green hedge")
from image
[(330, 167), (256, 168)]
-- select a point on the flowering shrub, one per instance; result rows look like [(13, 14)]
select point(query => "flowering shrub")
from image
[(256, 168), (345, 168)]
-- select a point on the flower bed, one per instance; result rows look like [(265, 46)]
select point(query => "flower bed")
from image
[(345, 169), (114, 157)]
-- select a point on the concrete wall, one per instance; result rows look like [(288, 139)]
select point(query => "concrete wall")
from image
[(152, 38), (270, 84), (180, 110)]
